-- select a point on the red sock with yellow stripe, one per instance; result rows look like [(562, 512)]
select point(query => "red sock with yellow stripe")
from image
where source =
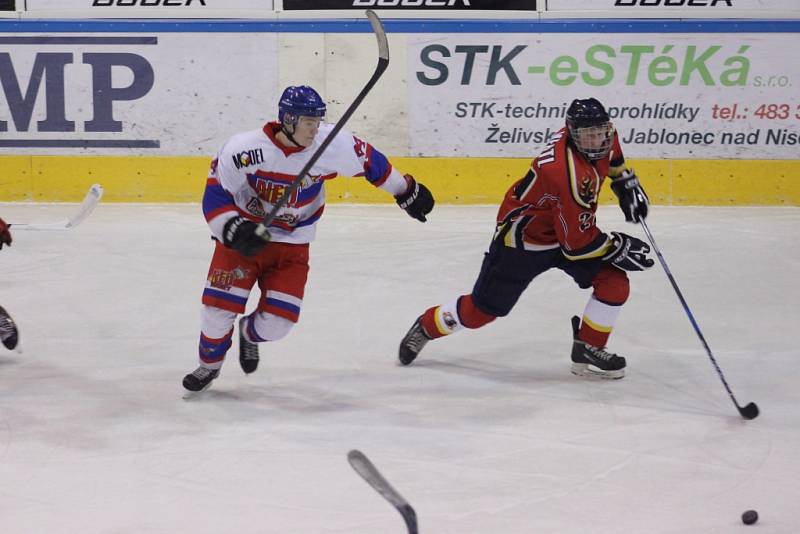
[(593, 333), (611, 290), (450, 318)]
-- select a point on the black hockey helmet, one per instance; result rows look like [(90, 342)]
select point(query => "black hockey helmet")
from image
[(590, 127)]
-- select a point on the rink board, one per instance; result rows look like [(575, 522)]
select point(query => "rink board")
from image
[(452, 180), (473, 101)]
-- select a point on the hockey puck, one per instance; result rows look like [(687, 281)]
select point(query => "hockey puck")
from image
[(749, 517)]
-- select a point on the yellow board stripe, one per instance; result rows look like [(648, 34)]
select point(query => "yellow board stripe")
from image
[(452, 180)]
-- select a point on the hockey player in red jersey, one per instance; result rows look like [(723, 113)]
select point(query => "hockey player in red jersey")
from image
[(8, 330), (547, 220), (5, 234), (249, 175)]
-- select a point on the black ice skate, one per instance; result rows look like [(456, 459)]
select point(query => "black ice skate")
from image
[(413, 342), (200, 379), (9, 334), (588, 360), (248, 352)]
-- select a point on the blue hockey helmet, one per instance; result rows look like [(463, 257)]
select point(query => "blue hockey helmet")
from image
[(300, 101), (590, 127)]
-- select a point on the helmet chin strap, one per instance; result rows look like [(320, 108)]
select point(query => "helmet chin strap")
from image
[(289, 135)]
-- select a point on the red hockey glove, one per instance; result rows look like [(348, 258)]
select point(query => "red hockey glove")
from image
[(5, 234)]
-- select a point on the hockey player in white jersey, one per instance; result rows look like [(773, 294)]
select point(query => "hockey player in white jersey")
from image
[(248, 176)]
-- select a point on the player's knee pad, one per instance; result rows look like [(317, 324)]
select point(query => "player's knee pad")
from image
[(471, 316), (216, 332), (611, 286), (215, 323), (269, 327)]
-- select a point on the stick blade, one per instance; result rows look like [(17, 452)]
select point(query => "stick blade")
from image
[(88, 205), (750, 411), (410, 517), (367, 470), (380, 34)]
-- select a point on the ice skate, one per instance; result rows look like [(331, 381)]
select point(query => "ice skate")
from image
[(413, 342), (200, 379), (248, 352), (9, 334), (588, 360)]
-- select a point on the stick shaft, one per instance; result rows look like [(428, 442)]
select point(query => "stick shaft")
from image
[(689, 313), (367, 470), (383, 62)]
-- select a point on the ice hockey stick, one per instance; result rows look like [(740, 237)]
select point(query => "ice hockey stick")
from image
[(87, 206), (370, 473), (383, 62), (747, 412)]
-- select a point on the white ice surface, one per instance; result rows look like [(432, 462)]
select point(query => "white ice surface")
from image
[(487, 432)]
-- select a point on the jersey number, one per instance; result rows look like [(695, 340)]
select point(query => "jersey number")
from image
[(587, 220)]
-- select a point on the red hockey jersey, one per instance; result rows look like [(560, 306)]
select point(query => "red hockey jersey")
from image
[(554, 205)]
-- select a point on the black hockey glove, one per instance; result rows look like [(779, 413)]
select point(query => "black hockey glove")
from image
[(240, 235), (417, 201), (628, 253), (632, 199)]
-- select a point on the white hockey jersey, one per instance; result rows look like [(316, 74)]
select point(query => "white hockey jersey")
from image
[(253, 169)]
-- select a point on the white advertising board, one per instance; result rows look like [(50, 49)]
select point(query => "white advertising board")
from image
[(132, 8), (670, 95), (169, 93), (670, 7)]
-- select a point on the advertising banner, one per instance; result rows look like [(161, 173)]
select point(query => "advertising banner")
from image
[(173, 93), (668, 7), (131, 7), (519, 5), (709, 96)]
